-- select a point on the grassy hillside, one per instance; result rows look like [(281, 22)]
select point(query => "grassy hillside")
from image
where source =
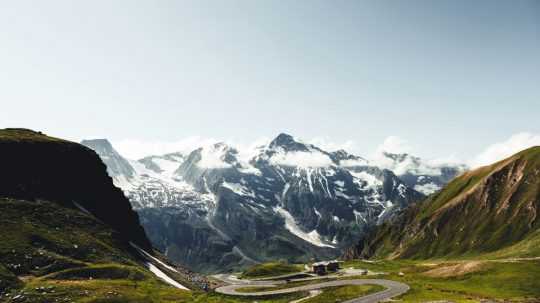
[(461, 281), (49, 251), (271, 270), (54, 253), (489, 211)]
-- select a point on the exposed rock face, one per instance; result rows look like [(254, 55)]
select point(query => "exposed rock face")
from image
[(35, 166), (482, 211), (217, 209), (116, 165)]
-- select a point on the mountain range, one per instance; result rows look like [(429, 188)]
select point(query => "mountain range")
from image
[(491, 212), (216, 208)]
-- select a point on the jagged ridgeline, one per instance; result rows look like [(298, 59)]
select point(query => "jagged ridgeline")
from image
[(217, 207), (66, 233), (492, 211)]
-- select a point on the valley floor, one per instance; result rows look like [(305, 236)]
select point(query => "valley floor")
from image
[(512, 280), (480, 280)]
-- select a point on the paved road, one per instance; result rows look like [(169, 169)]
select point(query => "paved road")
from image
[(393, 289)]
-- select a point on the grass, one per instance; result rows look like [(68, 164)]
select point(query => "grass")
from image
[(281, 286), (119, 283), (100, 271), (102, 290), (344, 293), (330, 294), (219, 298), (44, 238), (526, 248), (8, 280), (26, 135), (62, 254), (271, 269), (516, 281)]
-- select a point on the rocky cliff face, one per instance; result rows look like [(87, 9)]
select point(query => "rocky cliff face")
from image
[(35, 166), (483, 211)]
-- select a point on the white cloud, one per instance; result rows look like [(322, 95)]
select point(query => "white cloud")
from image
[(394, 144), (330, 146), (445, 161), (397, 145), (302, 159), (353, 163), (504, 149), (136, 149), (212, 157), (246, 151)]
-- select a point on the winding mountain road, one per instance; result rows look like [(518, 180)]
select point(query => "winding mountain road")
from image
[(392, 288)]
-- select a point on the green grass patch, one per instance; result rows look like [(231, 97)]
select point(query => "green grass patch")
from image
[(8, 280), (219, 298), (270, 270), (513, 281), (26, 135), (101, 271), (97, 290), (281, 286), (344, 293)]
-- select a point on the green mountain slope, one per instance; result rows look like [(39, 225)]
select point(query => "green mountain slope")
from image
[(66, 231), (491, 211)]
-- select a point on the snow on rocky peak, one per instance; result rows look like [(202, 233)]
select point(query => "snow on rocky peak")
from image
[(167, 163), (285, 150), (150, 182), (315, 200), (219, 155), (426, 177)]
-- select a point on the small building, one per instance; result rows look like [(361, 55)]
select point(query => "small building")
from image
[(319, 268), (332, 266)]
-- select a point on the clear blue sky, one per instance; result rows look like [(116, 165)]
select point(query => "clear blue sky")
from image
[(448, 76)]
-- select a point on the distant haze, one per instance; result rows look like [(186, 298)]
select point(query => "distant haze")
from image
[(441, 79)]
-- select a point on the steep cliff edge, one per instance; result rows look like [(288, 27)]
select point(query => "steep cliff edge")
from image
[(68, 235), (35, 166)]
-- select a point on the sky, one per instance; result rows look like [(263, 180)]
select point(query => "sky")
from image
[(441, 79)]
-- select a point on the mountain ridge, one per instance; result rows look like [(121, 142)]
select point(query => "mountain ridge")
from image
[(491, 209), (298, 201)]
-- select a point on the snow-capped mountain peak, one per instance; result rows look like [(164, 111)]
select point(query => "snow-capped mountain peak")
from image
[(294, 198), (287, 143), (286, 151)]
